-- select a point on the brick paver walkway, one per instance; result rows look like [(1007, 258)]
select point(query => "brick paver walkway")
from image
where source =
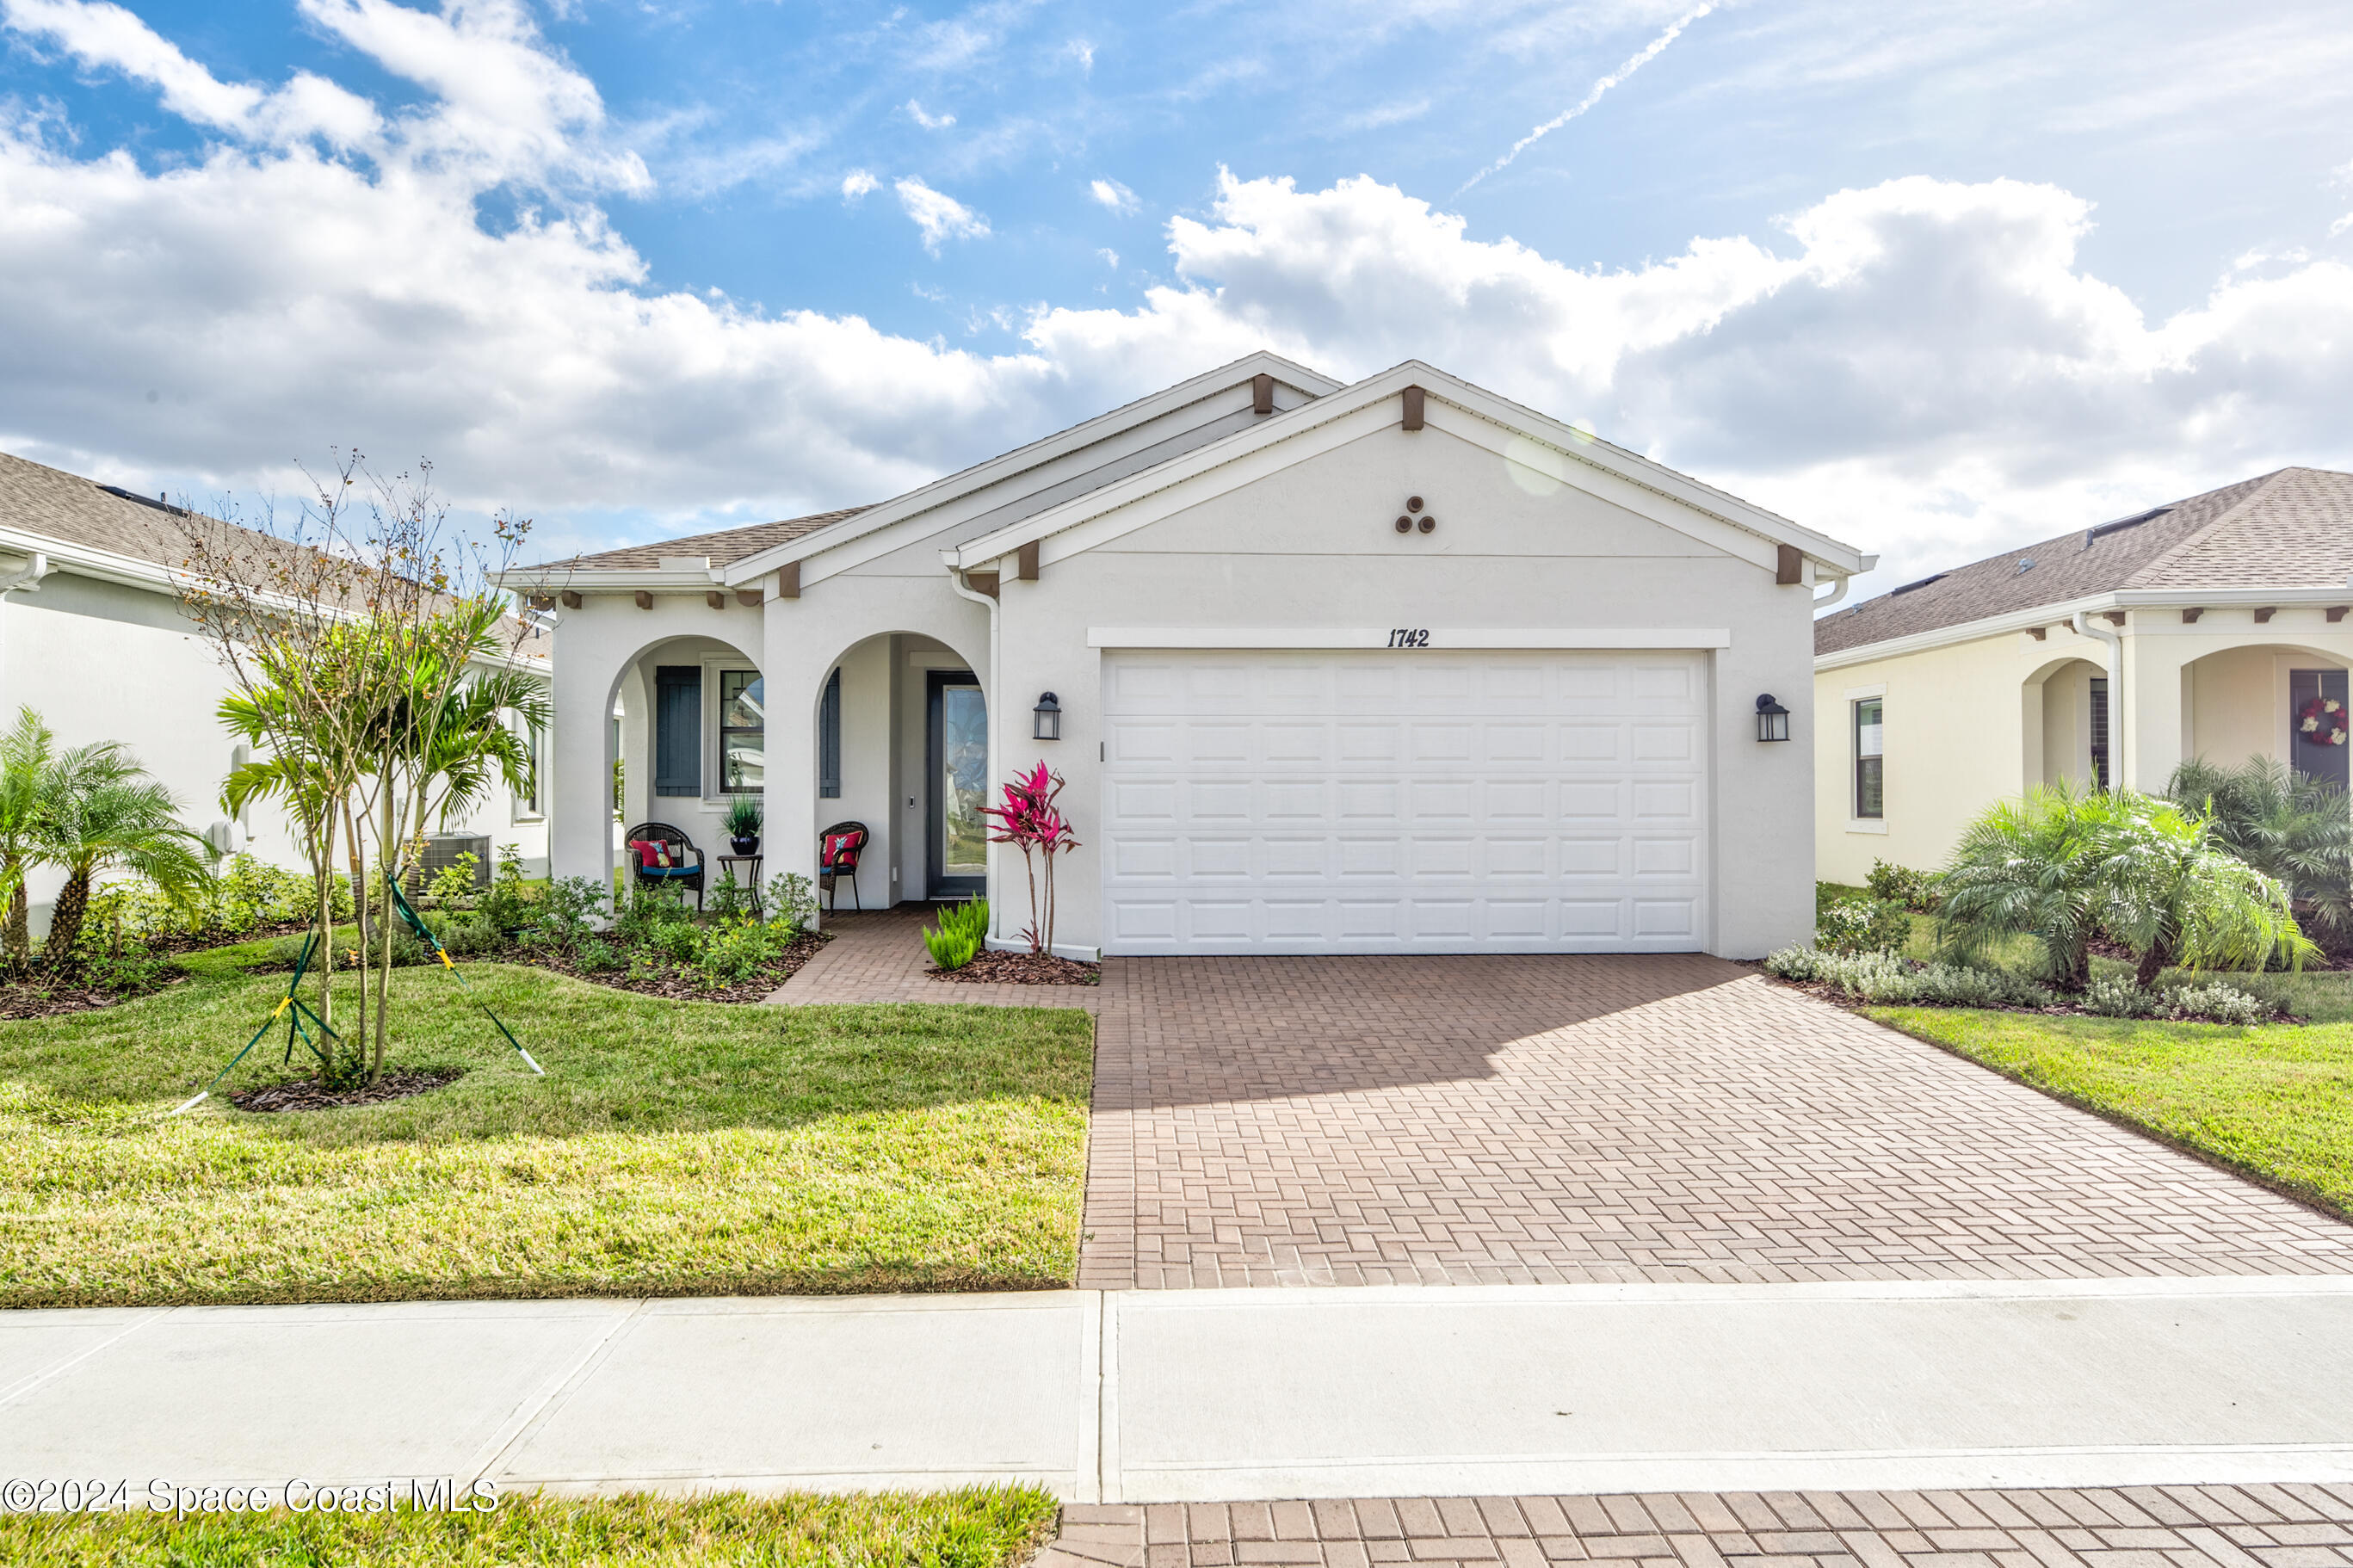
[(880, 957), (1547, 1120), (2136, 1527)]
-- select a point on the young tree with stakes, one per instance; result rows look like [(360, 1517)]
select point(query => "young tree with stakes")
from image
[(354, 637)]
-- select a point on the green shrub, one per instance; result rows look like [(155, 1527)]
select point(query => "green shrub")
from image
[(680, 941), (647, 908), (791, 901), (1899, 885), (1860, 926), (598, 956), (469, 936), (512, 903), (962, 929), (567, 912), (453, 885), (730, 900), (731, 954)]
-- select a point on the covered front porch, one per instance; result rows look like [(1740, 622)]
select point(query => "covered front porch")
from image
[(2225, 696)]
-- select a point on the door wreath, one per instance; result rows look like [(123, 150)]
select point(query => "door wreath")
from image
[(2322, 722)]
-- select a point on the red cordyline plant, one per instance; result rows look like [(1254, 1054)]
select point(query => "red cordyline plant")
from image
[(1029, 819)]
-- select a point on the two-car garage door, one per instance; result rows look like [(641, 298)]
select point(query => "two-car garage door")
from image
[(1420, 801)]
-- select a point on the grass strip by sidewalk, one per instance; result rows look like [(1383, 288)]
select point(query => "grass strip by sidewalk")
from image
[(2276, 1102), (980, 1527), (673, 1148)]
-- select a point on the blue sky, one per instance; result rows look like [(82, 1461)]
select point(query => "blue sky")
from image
[(1935, 278)]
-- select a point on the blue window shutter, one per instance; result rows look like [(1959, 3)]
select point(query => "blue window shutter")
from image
[(678, 730), (828, 738)]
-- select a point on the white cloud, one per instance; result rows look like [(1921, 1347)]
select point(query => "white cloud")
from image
[(1925, 367), (929, 121), (939, 215), (1112, 194), (1081, 50), (1110, 259)]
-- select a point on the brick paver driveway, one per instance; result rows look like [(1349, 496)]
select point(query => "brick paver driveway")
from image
[(1367, 1121)]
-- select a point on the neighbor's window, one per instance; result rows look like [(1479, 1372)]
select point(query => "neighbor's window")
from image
[(535, 746), (828, 738), (1869, 798), (742, 732), (678, 729), (2099, 731)]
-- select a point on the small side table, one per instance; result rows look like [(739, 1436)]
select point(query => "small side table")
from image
[(727, 865)]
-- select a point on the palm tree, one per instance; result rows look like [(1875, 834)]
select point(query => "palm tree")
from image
[(2033, 866), (2291, 826), (102, 812), (26, 754), (2175, 896)]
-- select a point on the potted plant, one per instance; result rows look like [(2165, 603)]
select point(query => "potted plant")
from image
[(744, 825)]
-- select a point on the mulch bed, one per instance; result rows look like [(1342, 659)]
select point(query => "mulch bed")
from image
[(181, 941), (36, 999), (684, 985), (1022, 969), (308, 1094)]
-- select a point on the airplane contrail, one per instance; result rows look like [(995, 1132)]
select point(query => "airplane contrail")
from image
[(1594, 96)]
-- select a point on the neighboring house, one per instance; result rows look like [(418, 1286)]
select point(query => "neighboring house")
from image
[(92, 637), (2106, 656), (1392, 667)]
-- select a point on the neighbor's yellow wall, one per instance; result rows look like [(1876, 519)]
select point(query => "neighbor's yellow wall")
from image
[(1957, 740), (2237, 704)]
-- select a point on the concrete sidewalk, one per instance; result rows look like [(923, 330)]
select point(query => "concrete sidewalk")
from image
[(1218, 1395)]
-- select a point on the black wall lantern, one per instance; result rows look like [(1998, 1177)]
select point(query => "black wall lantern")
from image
[(1772, 720), (1047, 716)]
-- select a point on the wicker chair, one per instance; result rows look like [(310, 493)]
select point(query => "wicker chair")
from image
[(679, 876), (838, 848)]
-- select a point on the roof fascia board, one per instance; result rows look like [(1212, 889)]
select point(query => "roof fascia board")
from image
[(1045, 450), (88, 560), (1084, 522), (522, 580), (131, 571), (2054, 614), (832, 559)]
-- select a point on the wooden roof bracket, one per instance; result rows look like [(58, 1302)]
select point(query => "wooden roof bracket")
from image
[(2190, 616), (2040, 634), (568, 599), (645, 600), (982, 583), (1414, 398), (750, 597), (715, 599), (789, 580), (1026, 563), (1789, 566), (1261, 395), (2115, 617), (2336, 612), (2264, 615)]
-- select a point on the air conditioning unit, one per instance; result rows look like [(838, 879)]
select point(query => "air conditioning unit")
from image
[(442, 849)]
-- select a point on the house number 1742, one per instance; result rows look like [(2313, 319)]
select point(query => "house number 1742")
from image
[(1409, 637)]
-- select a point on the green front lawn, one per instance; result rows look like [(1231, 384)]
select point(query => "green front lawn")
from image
[(992, 1526), (673, 1148), (2276, 1102)]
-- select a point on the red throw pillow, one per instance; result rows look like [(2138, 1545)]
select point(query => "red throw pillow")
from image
[(653, 855), (837, 845)]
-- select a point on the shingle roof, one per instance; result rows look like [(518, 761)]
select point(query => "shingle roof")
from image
[(724, 548), (2292, 528), (59, 505), (53, 504)]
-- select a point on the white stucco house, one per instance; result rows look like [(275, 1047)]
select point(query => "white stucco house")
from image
[(93, 639), (2106, 655), (1395, 667)]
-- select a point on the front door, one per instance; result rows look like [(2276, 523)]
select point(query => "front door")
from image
[(2317, 734), (958, 755)]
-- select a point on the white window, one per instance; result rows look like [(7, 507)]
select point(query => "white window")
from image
[(1870, 759)]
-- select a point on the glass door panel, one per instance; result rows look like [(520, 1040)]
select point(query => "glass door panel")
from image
[(959, 786)]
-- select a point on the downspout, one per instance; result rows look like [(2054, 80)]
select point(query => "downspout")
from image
[(995, 697), (2117, 754), (26, 578)]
